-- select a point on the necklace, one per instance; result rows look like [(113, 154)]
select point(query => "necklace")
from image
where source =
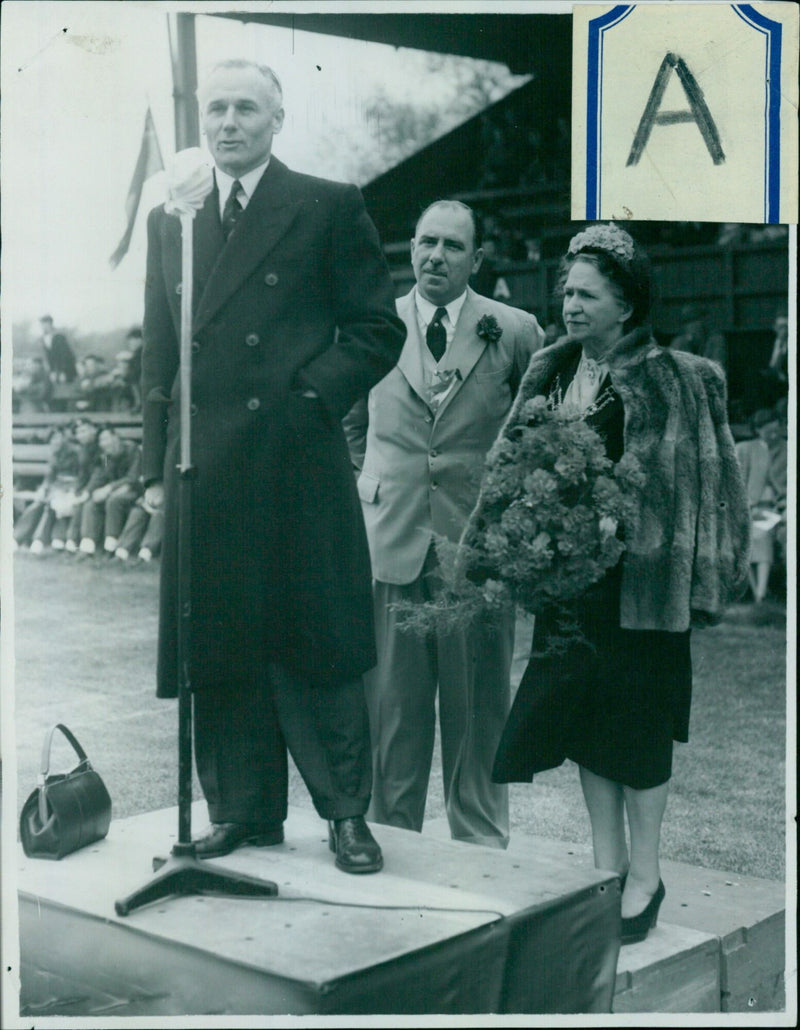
[(592, 370), (559, 398)]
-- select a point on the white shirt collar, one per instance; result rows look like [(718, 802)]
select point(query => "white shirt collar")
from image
[(249, 181), (427, 310)]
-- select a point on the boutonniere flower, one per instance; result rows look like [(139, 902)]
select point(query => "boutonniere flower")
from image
[(488, 328)]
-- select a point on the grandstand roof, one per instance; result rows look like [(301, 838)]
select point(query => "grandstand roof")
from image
[(539, 45), (526, 43), (451, 165)]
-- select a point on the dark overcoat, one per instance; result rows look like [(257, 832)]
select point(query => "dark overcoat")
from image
[(59, 358), (300, 296)]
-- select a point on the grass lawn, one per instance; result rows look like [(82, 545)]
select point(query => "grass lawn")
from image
[(85, 652)]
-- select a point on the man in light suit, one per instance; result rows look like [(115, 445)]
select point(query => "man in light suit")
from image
[(293, 321), (420, 443)]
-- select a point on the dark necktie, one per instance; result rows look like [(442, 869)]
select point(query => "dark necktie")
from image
[(232, 211), (436, 335)]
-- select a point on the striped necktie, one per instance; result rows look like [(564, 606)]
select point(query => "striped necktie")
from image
[(232, 211)]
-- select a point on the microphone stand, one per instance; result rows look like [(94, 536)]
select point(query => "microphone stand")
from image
[(183, 873)]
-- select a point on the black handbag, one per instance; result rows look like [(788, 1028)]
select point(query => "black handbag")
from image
[(67, 811)]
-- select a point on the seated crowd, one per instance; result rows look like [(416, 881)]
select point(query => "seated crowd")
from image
[(91, 385), (91, 499)]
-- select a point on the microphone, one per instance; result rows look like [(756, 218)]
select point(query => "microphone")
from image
[(190, 178)]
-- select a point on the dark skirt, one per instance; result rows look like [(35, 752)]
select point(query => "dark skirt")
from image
[(612, 700)]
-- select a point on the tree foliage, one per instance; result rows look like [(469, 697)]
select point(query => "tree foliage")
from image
[(442, 92)]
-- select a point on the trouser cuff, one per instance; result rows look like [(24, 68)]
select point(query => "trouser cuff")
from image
[(342, 808), (238, 814)]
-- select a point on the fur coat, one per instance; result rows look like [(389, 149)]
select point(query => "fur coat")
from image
[(687, 547)]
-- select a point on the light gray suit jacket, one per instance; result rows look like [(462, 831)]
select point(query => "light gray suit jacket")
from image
[(420, 469)]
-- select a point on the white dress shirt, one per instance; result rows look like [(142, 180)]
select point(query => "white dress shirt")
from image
[(248, 181), (439, 377), (425, 312)]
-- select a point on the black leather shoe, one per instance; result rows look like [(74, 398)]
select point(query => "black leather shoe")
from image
[(222, 838), (636, 928), (356, 849)]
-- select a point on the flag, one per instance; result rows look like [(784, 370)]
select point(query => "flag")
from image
[(148, 163)]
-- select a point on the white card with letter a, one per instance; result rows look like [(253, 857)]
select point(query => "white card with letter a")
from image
[(685, 111)]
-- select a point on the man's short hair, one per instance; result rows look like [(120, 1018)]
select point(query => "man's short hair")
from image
[(46, 318), (477, 227), (240, 62)]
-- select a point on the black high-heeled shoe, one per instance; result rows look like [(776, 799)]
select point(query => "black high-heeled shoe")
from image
[(636, 928)]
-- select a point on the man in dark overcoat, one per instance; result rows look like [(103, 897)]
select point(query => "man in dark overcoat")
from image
[(57, 353), (293, 321)]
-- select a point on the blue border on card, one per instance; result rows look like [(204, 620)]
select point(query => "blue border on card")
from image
[(594, 101), (772, 30)]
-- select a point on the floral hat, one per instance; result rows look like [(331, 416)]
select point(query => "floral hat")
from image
[(610, 238)]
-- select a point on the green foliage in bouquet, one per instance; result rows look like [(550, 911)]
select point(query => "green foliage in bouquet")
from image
[(551, 513)]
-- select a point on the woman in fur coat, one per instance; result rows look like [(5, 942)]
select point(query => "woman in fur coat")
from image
[(620, 694)]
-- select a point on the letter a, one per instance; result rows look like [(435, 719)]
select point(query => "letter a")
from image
[(699, 113)]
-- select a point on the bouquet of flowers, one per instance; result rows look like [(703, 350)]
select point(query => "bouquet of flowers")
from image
[(551, 508)]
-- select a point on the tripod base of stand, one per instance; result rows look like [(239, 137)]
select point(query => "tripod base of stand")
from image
[(183, 873)]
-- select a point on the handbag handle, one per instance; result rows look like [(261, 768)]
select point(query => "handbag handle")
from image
[(45, 764)]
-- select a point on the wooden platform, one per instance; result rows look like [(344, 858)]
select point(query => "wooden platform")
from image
[(445, 928), (719, 945)]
